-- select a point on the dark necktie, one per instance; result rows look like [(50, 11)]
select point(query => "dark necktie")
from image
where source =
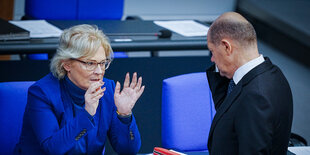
[(231, 86)]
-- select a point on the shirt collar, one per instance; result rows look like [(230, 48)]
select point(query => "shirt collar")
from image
[(244, 69)]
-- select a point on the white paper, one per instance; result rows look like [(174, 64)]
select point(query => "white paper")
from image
[(188, 28), (300, 150), (177, 152), (38, 28)]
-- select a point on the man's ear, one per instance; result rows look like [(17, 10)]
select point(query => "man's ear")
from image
[(228, 46), (67, 65)]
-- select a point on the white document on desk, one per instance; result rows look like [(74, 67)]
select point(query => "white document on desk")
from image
[(300, 150), (187, 28), (38, 28)]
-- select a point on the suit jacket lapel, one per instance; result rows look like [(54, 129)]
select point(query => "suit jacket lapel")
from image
[(224, 106)]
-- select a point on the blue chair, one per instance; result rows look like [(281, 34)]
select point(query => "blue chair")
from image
[(13, 100), (73, 10), (187, 112)]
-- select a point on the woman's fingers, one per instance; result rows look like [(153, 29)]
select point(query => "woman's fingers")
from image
[(92, 96), (117, 88), (98, 93), (94, 91), (134, 85), (141, 91), (127, 79), (94, 87), (138, 86), (134, 80), (96, 98)]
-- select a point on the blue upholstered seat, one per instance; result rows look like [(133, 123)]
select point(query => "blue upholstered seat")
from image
[(73, 10), (13, 99), (187, 112)]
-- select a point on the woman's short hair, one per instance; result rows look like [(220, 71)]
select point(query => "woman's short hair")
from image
[(81, 41)]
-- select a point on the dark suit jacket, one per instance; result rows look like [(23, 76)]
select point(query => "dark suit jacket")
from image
[(256, 117), (50, 127)]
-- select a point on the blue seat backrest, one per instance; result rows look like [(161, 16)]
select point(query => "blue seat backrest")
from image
[(100, 9), (187, 112), (74, 9), (13, 100)]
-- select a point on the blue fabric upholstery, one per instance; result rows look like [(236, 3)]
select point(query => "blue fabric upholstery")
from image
[(74, 9), (187, 112), (13, 100), (41, 56), (100, 9)]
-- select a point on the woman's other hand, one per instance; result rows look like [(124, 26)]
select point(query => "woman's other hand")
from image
[(92, 96), (127, 98)]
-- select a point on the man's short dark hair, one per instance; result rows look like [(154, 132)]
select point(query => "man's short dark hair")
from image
[(242, 32)]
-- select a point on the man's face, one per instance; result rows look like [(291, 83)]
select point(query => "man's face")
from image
[(221, 59)]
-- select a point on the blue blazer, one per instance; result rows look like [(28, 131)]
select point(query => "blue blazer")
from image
[(50, 127)]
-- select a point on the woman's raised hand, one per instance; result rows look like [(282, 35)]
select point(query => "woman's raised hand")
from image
[(126, 99)]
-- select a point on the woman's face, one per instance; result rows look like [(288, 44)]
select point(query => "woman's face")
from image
[(79, 73)]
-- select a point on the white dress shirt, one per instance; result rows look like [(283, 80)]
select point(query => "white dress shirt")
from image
[(244, 69)]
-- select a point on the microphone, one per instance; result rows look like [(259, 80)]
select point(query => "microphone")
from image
[(164, 33)]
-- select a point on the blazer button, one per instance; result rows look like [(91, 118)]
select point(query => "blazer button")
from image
[(83, 131), (132, 137), (77, 138)]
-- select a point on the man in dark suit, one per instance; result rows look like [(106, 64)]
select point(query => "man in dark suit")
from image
[(252, 97)]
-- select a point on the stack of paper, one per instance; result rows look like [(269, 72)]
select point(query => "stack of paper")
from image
[(188, 28), (38, 28), (300, 150)]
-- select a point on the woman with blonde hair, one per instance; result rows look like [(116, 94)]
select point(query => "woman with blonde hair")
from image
[(73, 109)]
